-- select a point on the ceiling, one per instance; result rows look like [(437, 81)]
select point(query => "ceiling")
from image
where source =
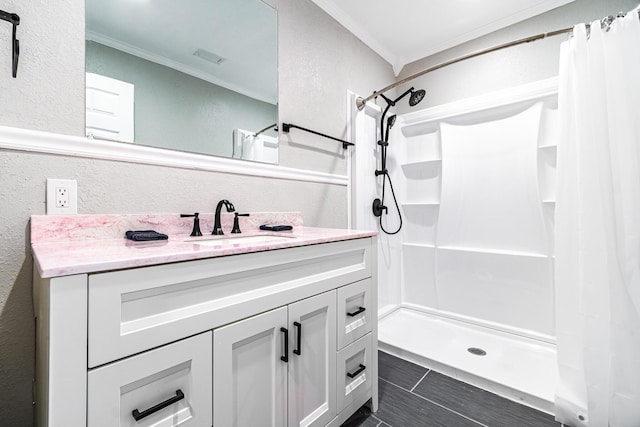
[(244, 32), (404, 31)]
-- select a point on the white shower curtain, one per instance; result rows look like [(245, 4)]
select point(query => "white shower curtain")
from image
[(597, 235)]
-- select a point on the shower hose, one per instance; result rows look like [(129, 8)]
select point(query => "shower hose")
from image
[(385, 176)]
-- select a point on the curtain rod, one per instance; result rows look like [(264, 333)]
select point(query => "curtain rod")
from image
[(606, 21), (265, 129), (360, 102)]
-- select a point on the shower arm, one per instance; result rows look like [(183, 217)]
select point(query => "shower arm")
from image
[(392, 103)]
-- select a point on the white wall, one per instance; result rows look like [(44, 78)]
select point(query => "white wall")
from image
[(48, 95)]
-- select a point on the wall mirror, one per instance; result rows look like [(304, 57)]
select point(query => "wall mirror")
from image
[(196, 75)]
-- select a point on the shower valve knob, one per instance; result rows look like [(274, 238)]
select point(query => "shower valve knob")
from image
[(378, 208)]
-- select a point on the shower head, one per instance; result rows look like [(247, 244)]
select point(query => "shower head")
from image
[(416, 97)]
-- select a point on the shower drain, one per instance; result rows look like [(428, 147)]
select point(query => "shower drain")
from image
[(477, 351)]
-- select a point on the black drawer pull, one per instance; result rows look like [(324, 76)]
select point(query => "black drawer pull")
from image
[(355, 374), (285, 358), (298, 350), (137, 415), (355, 313)]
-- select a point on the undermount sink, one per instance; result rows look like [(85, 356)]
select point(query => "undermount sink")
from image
[(231, 240)]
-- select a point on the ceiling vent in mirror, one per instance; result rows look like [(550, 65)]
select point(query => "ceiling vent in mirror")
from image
[(209, 56)]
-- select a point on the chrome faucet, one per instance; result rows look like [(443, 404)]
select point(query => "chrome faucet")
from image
[(217, 228)]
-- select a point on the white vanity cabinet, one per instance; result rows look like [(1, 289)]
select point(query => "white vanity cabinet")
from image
[(276, 338)]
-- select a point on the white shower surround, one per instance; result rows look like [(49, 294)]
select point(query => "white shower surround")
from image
[(488, 286)]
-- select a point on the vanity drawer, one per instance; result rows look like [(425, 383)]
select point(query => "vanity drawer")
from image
[(355, 373), (180, 373), (137, 309), (354, 312)]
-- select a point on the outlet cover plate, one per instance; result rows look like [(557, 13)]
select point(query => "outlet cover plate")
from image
[(62, 196)]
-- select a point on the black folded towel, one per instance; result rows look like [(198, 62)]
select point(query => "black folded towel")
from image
[(145, 235), (276, 227)]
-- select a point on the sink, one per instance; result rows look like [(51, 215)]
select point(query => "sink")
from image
[(240, 240)]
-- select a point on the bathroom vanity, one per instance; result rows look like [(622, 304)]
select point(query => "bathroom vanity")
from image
[(264, 331)]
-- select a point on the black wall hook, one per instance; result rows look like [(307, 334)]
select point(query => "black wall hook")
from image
[(15, 43)]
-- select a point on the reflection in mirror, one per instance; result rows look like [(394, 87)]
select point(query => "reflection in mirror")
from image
[(195, 75)]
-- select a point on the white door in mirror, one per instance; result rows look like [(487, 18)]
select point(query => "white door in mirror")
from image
[(109, 108)]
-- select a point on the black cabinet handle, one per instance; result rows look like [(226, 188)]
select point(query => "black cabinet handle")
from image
[(298, 350), (355, 374), (358, 311), (285, 358), (137, 415)]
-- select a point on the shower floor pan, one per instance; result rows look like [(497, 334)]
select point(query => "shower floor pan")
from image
[(518, 368)]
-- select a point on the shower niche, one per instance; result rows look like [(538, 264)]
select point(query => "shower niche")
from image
[(421, 166)]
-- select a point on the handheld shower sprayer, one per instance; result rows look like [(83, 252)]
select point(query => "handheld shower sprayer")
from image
[(390, 122), (378, 206)]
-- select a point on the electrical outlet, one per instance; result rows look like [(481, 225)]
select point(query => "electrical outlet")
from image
[(62, 196)]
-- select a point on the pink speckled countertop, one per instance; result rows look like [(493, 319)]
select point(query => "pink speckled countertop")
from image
[(74, 244)]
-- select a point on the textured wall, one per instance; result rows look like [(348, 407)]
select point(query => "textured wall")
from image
[(176, 110), (317, 64), (46, 95), (509, 67), (49, 95)]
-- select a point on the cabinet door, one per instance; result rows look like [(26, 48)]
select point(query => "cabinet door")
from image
[(165, 387), (249, 376), (312, 378)]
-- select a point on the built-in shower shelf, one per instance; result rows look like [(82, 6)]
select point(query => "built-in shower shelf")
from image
[(548, 147), (421, 164), (421, 205), (549, 201), (419, 245), (495, 251)]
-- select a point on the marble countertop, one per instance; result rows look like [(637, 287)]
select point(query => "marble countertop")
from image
[(86, 243)]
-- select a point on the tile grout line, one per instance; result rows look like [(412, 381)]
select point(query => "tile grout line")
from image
[(434, 403), (380, 422), (420, 380)]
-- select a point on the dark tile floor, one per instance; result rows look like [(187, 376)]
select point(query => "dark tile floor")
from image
[(413, 396)]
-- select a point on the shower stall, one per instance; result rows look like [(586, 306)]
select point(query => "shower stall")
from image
[(466, 287)]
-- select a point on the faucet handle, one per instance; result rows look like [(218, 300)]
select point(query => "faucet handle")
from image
[(236, 225), (196, 223)]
